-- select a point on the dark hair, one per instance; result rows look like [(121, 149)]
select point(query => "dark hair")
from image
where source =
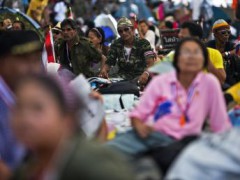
[(21, 23), (169, 24), (69, 22), (178, 49), (98, 32), (194, 29), (143, 21), (68, 102)]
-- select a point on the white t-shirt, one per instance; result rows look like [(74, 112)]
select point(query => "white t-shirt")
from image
[(150, 36), (127, 53)]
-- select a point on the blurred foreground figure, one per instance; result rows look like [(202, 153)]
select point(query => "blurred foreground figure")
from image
[(19, 55), (45, 121), (212, 157)]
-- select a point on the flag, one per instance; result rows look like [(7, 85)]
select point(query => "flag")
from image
[(70, 15), (48, 54)]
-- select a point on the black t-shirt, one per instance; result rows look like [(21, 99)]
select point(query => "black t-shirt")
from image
[(228, 47)]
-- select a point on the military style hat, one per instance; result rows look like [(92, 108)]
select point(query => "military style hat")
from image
[(124, 22), (19, 42)]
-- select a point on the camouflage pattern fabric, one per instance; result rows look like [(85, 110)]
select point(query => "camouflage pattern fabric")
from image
[(123, 22), (81, 56), (132, 67)]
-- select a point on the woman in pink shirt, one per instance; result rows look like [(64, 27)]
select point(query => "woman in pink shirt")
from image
[(176, 104)]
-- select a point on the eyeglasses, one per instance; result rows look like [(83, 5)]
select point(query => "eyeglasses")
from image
[(126, 29), (223, 32)]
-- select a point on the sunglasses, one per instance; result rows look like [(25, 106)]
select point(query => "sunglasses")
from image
[(126, 29), (223, 32)]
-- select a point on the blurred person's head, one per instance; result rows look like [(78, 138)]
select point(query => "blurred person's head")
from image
[(7, 24), (96, 36), (143, 24), (190, 29), (45, 112), (125, 29), (191, 56), (168, 25), (150, 57), (69, 29), (221, 30), (18, 25), (133, 19), (20, 54), (57, 32)]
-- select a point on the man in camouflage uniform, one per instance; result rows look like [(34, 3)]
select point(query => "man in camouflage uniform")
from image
[(77, 54), (128, 53)]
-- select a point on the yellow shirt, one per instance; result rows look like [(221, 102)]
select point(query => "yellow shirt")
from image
[(37, 6), (214, 55), (216, 58), (235, 92)]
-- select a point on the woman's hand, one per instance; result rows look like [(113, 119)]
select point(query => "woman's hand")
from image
[(143, 78), (142, 130)]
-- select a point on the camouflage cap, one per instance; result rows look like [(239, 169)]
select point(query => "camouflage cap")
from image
[(124, 22)]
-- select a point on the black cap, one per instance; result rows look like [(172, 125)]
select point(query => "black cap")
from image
[(19, 42)]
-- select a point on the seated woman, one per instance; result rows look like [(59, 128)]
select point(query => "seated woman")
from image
[(176, 105), (97, 38), (45, 120)]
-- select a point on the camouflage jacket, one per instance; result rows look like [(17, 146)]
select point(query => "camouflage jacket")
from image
[(81, 56), (132, 66)]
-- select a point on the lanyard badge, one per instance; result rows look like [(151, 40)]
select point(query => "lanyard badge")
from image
[(184, 117)]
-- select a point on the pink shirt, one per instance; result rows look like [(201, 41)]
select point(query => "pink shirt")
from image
[(204, 100)]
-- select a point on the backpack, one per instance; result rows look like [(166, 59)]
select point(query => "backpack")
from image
[(206, 11)]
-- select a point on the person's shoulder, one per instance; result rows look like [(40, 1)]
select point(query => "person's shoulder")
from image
[(117, 42), (150, 32), (84, 40), (91, 160), (213, 51), (142, 42), (210, 80)]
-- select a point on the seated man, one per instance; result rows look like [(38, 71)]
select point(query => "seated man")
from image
[(221, 32), (75, 53), (128, 53)]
